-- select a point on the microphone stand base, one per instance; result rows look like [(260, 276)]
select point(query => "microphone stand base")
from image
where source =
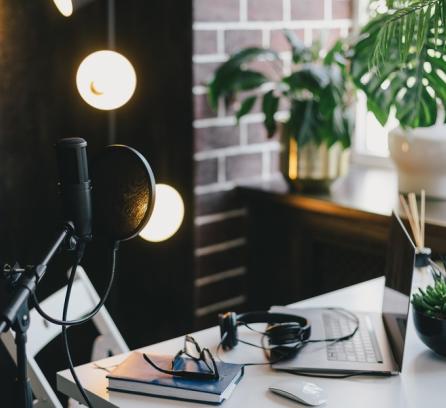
[(24, 397)]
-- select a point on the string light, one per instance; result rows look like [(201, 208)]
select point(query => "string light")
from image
[(167, 215), (106, 80)]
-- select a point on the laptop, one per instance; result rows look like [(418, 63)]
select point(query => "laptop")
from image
[(378, 345)]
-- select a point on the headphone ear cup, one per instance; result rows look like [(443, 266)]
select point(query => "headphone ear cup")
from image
[(287, 339), (283, 353), (282, 334), (228, 330)]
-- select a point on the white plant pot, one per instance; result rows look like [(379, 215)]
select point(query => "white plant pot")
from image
[(419, 155)]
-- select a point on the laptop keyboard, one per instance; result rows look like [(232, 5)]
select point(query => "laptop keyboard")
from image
[(361, 348)]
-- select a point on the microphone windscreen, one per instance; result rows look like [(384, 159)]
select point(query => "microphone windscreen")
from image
[(123, 193)]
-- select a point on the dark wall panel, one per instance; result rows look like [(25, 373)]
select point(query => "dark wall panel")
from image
[(156, 37), (39, 53)]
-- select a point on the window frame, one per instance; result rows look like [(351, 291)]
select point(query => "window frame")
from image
[(359, 153)]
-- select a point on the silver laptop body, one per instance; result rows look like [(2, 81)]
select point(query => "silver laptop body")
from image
[(378, 346)]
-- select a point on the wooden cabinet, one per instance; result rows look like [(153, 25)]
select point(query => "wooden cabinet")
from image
[(301, 246)]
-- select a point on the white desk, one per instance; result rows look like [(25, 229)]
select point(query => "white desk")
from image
[(422, 383)]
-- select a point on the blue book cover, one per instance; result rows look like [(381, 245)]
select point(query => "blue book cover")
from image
[(135, 375)]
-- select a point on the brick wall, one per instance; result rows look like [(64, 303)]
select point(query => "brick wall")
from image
[(226, 154)]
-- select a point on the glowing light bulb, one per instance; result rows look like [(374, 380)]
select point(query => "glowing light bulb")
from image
[(68, 7), (65, 7), (167, 215), (106, 80)]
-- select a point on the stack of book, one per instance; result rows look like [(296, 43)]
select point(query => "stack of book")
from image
[(136, 376)]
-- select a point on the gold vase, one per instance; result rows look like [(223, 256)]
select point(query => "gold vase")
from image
[(312, 167)]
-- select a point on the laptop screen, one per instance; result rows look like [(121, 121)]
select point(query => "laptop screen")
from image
[(399, 270)]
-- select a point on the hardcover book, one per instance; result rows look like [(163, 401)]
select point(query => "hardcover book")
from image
[(135, 375)]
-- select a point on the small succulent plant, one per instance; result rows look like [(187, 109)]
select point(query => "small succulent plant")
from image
[(432, 300)]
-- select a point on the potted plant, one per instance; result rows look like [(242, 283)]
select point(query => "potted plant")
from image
[(429, 313), (398, 61), (317, 128)]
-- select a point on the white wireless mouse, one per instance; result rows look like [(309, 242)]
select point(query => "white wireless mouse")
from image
[(301, 391)]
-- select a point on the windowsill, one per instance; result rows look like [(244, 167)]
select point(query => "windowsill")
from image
[(369, 160), (368, 189)]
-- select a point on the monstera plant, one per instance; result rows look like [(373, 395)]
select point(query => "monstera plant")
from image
[(399, 63), (318, 122), (409, 80)]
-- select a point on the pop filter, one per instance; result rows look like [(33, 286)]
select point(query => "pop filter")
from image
[(123, 193)]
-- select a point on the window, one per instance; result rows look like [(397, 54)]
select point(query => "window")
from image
[(370, 139), (370, 136)]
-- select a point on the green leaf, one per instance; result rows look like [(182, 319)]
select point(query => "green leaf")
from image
[(396, 25), (269, 106), (246, 106), (442, 7), (235, 81), (432, 300), (330, 58), (311, 77), (223, 82), (300, 53), (437, 16), (349, 125), (338, 122), (247, 55), (246, 81), (410, 86), (302, 123)]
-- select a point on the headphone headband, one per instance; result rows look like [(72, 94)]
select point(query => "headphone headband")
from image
[(271, 318), (292, 328)]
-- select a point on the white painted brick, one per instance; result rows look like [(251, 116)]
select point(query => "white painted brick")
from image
[(272, 25)]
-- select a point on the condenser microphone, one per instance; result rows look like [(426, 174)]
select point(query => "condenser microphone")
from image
[(74, 185)]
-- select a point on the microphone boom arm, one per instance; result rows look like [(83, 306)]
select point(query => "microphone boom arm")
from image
[(29, 280), (16, 314)]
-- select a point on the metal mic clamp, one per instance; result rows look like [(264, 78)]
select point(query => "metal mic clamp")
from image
[(11, 274)]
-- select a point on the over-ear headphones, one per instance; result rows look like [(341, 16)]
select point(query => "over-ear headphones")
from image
[(283, 329)]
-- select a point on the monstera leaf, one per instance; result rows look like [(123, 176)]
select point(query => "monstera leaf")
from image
[(413, 85)]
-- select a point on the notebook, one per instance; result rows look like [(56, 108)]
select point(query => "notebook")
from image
[(135, 376)]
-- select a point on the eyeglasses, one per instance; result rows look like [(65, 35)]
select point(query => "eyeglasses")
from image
[(203, 359)]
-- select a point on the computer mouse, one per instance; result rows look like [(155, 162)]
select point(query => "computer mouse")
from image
[(301, 391)]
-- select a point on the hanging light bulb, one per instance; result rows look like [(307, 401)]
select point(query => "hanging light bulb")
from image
[(106, 80), (67, 7), (167, 216)]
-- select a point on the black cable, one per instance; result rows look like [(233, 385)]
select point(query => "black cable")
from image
[(295, 372), (340, 310), (79, 255), (96, 309), (299, 344), (334, 375), (265, 349)]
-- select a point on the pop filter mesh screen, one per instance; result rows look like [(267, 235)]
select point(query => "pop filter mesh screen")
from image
[(123, 193)]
